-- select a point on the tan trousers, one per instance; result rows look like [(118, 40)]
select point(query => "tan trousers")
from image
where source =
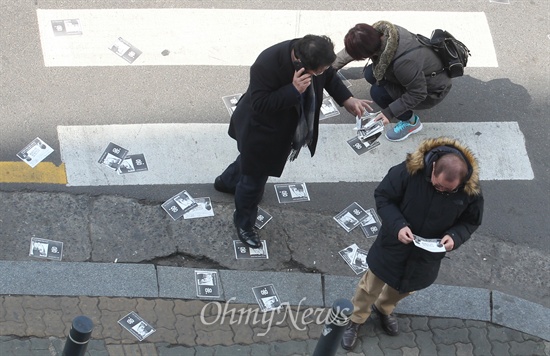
[(372, 290)]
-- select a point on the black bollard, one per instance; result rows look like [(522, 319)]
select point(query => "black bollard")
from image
[(334, 328), (80, 334)]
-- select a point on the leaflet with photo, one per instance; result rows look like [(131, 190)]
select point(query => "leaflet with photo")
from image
[(346, 82), (113, 156), (133, 163), (231, 101), (371, 224), (207, 284), (35, 152), (48, 249), (136, 326), (243, 251), (267, 297), (328, 109), (179, 204), (361, 147), (262, 218), (374, 128), (67, 27), (202, 210), (291, 193), (432, 245), (125, 50), (355, 257), (351, 217), (360, 259)]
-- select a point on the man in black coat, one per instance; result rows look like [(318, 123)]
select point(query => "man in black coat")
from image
[(433, 194), (276, 117)]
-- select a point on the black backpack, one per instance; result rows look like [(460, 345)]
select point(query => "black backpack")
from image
[(453, 53)]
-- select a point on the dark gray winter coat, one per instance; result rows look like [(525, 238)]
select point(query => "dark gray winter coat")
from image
[(407, 79)]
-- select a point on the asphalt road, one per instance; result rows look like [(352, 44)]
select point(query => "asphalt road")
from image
[(36, 99)]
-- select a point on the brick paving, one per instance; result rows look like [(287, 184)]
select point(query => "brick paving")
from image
[(39, 325)]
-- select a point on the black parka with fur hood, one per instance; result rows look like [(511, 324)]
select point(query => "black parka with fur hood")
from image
[(406, 197)]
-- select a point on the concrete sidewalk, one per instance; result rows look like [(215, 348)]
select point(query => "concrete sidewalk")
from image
[(490, 297), (36, 325)]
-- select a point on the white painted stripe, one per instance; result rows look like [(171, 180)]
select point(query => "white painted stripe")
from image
[(197, 153), (231, 37)]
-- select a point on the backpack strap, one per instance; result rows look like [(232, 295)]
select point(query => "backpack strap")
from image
[(428, 43), (432, 74), (404, 53)]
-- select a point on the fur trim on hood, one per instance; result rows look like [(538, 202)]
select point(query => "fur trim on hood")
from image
[(416, 161), (390, 41)]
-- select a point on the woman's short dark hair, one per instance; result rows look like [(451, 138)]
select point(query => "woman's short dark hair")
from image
[(362, 41), (314, 51)]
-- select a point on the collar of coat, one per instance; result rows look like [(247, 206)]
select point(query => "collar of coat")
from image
[(416, 161), (390, 41)]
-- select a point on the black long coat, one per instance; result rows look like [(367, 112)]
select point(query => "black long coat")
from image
[(267, 114), (406, 197)]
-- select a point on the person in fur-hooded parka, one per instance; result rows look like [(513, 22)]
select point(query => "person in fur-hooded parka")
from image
[(434, 194), (407, 197)]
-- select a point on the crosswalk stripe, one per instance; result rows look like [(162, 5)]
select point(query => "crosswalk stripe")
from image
[(196, 153), (228, 37), (44, 172)]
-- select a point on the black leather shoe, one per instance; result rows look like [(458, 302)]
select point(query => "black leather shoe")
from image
[(221, 187), (388, 322), (248, 237), (349, 339)]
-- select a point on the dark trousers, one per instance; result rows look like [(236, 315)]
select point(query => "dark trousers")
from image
[(249, 191), (380, 95)]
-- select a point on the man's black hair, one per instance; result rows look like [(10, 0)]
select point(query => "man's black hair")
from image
[(314, 51)]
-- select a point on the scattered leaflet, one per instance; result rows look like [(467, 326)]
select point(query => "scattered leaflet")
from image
[(48, 249), (136, 326), (432, 245), (66, 27), (368, 116), (35, 152), (267, 297), (179, 204), (366, 133), (370, 128), (351, 217), (355, 257), (231, 101), (243, 251), (125, 50), (133, 163), (361, 147), (346, 82), (262, 219), (328, 109), (207, 284), (291, 193), (202, 210), (371, 224), (113, 156)]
